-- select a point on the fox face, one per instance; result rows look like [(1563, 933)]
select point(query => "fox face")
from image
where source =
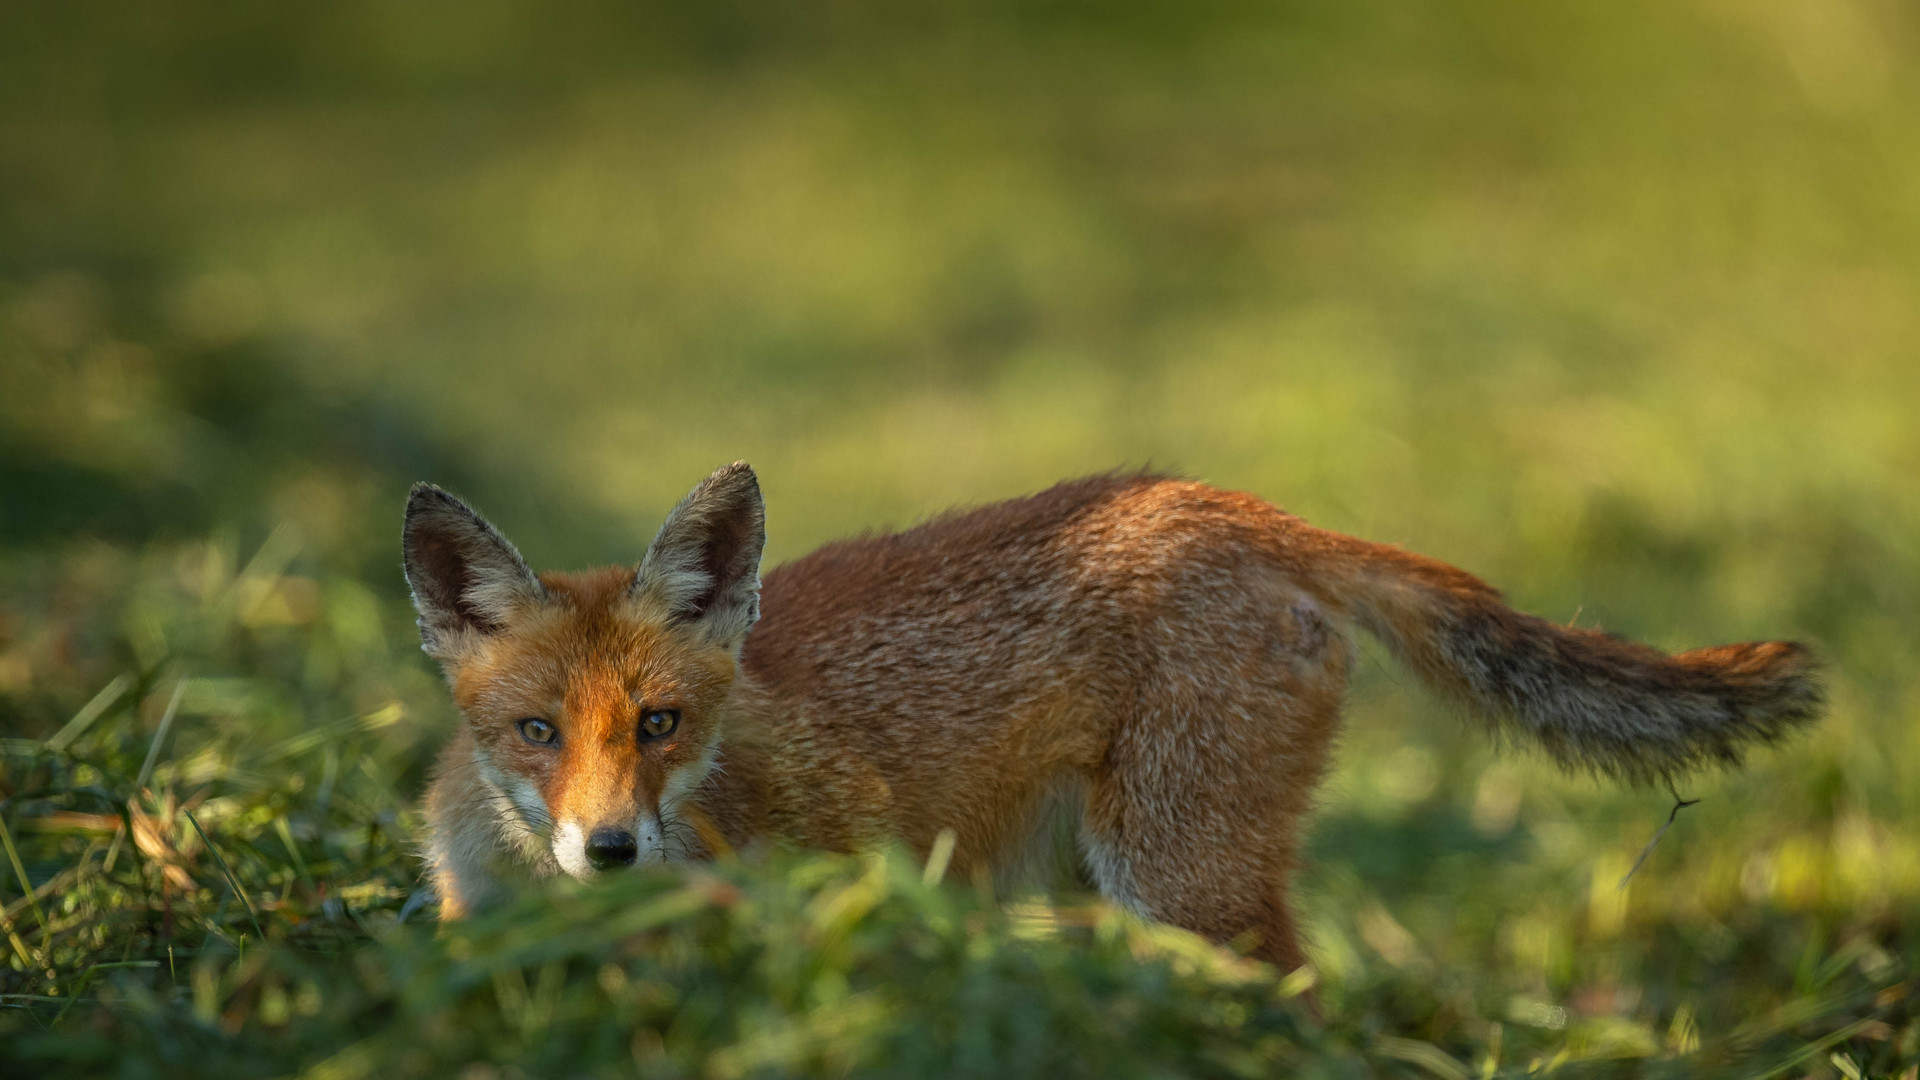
[(595, 702)]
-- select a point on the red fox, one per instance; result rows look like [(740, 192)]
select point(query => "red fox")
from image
[(1164, 658)]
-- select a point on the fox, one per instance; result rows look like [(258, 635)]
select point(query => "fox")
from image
[(1161, 660)]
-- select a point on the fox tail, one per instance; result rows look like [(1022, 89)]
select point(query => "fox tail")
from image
[(1592, 700)]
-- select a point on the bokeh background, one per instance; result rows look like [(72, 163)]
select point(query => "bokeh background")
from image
[(1614, 305)]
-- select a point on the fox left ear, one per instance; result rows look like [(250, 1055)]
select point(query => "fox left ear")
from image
[(704, 566)]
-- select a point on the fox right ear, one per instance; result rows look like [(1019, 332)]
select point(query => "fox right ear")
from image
[(464, 575), (704, 566)]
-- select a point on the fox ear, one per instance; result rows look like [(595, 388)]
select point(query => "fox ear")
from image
[(705, 564), (464, 575)]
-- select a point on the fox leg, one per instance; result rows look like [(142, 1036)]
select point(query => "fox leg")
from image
[(1195, 862), (1194, 816), (1240, 900)]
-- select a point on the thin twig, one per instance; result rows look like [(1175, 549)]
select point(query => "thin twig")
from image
[(1679, 804)]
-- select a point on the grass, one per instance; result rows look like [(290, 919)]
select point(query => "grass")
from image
[(1608, 305), (221, 841)]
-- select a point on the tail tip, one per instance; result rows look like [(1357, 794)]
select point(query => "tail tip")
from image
[(1782, 681)]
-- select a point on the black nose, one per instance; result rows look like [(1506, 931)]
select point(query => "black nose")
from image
[(608, 848)]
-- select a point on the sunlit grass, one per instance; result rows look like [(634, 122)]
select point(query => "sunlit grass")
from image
[(245, 763), (1610, 305)]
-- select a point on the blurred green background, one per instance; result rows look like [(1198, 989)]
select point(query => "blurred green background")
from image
[(1614, 305)]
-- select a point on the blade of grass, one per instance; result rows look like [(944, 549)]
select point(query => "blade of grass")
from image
[(385, 716), (285, 831), (19, 947), (26, 883), (86, 982), (256, 582), (938, 858), (1817, 1047), (160, 736), (88, 713), (52, 884), (146, 767), (1423, 1054), (232, 882)]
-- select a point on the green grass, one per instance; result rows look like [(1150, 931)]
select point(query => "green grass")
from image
[(1611, 305)]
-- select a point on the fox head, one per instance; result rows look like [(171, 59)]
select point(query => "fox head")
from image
[(595, 700)]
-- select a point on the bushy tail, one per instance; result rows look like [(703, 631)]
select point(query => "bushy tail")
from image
[(1592, 700)]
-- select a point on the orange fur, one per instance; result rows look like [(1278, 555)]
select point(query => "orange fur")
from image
[(1164, 658)]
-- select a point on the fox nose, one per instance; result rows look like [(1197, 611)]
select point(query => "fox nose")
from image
[(608, 848)]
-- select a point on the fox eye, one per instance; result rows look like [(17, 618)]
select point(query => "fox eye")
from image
[(536, 730), (658, 722)]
